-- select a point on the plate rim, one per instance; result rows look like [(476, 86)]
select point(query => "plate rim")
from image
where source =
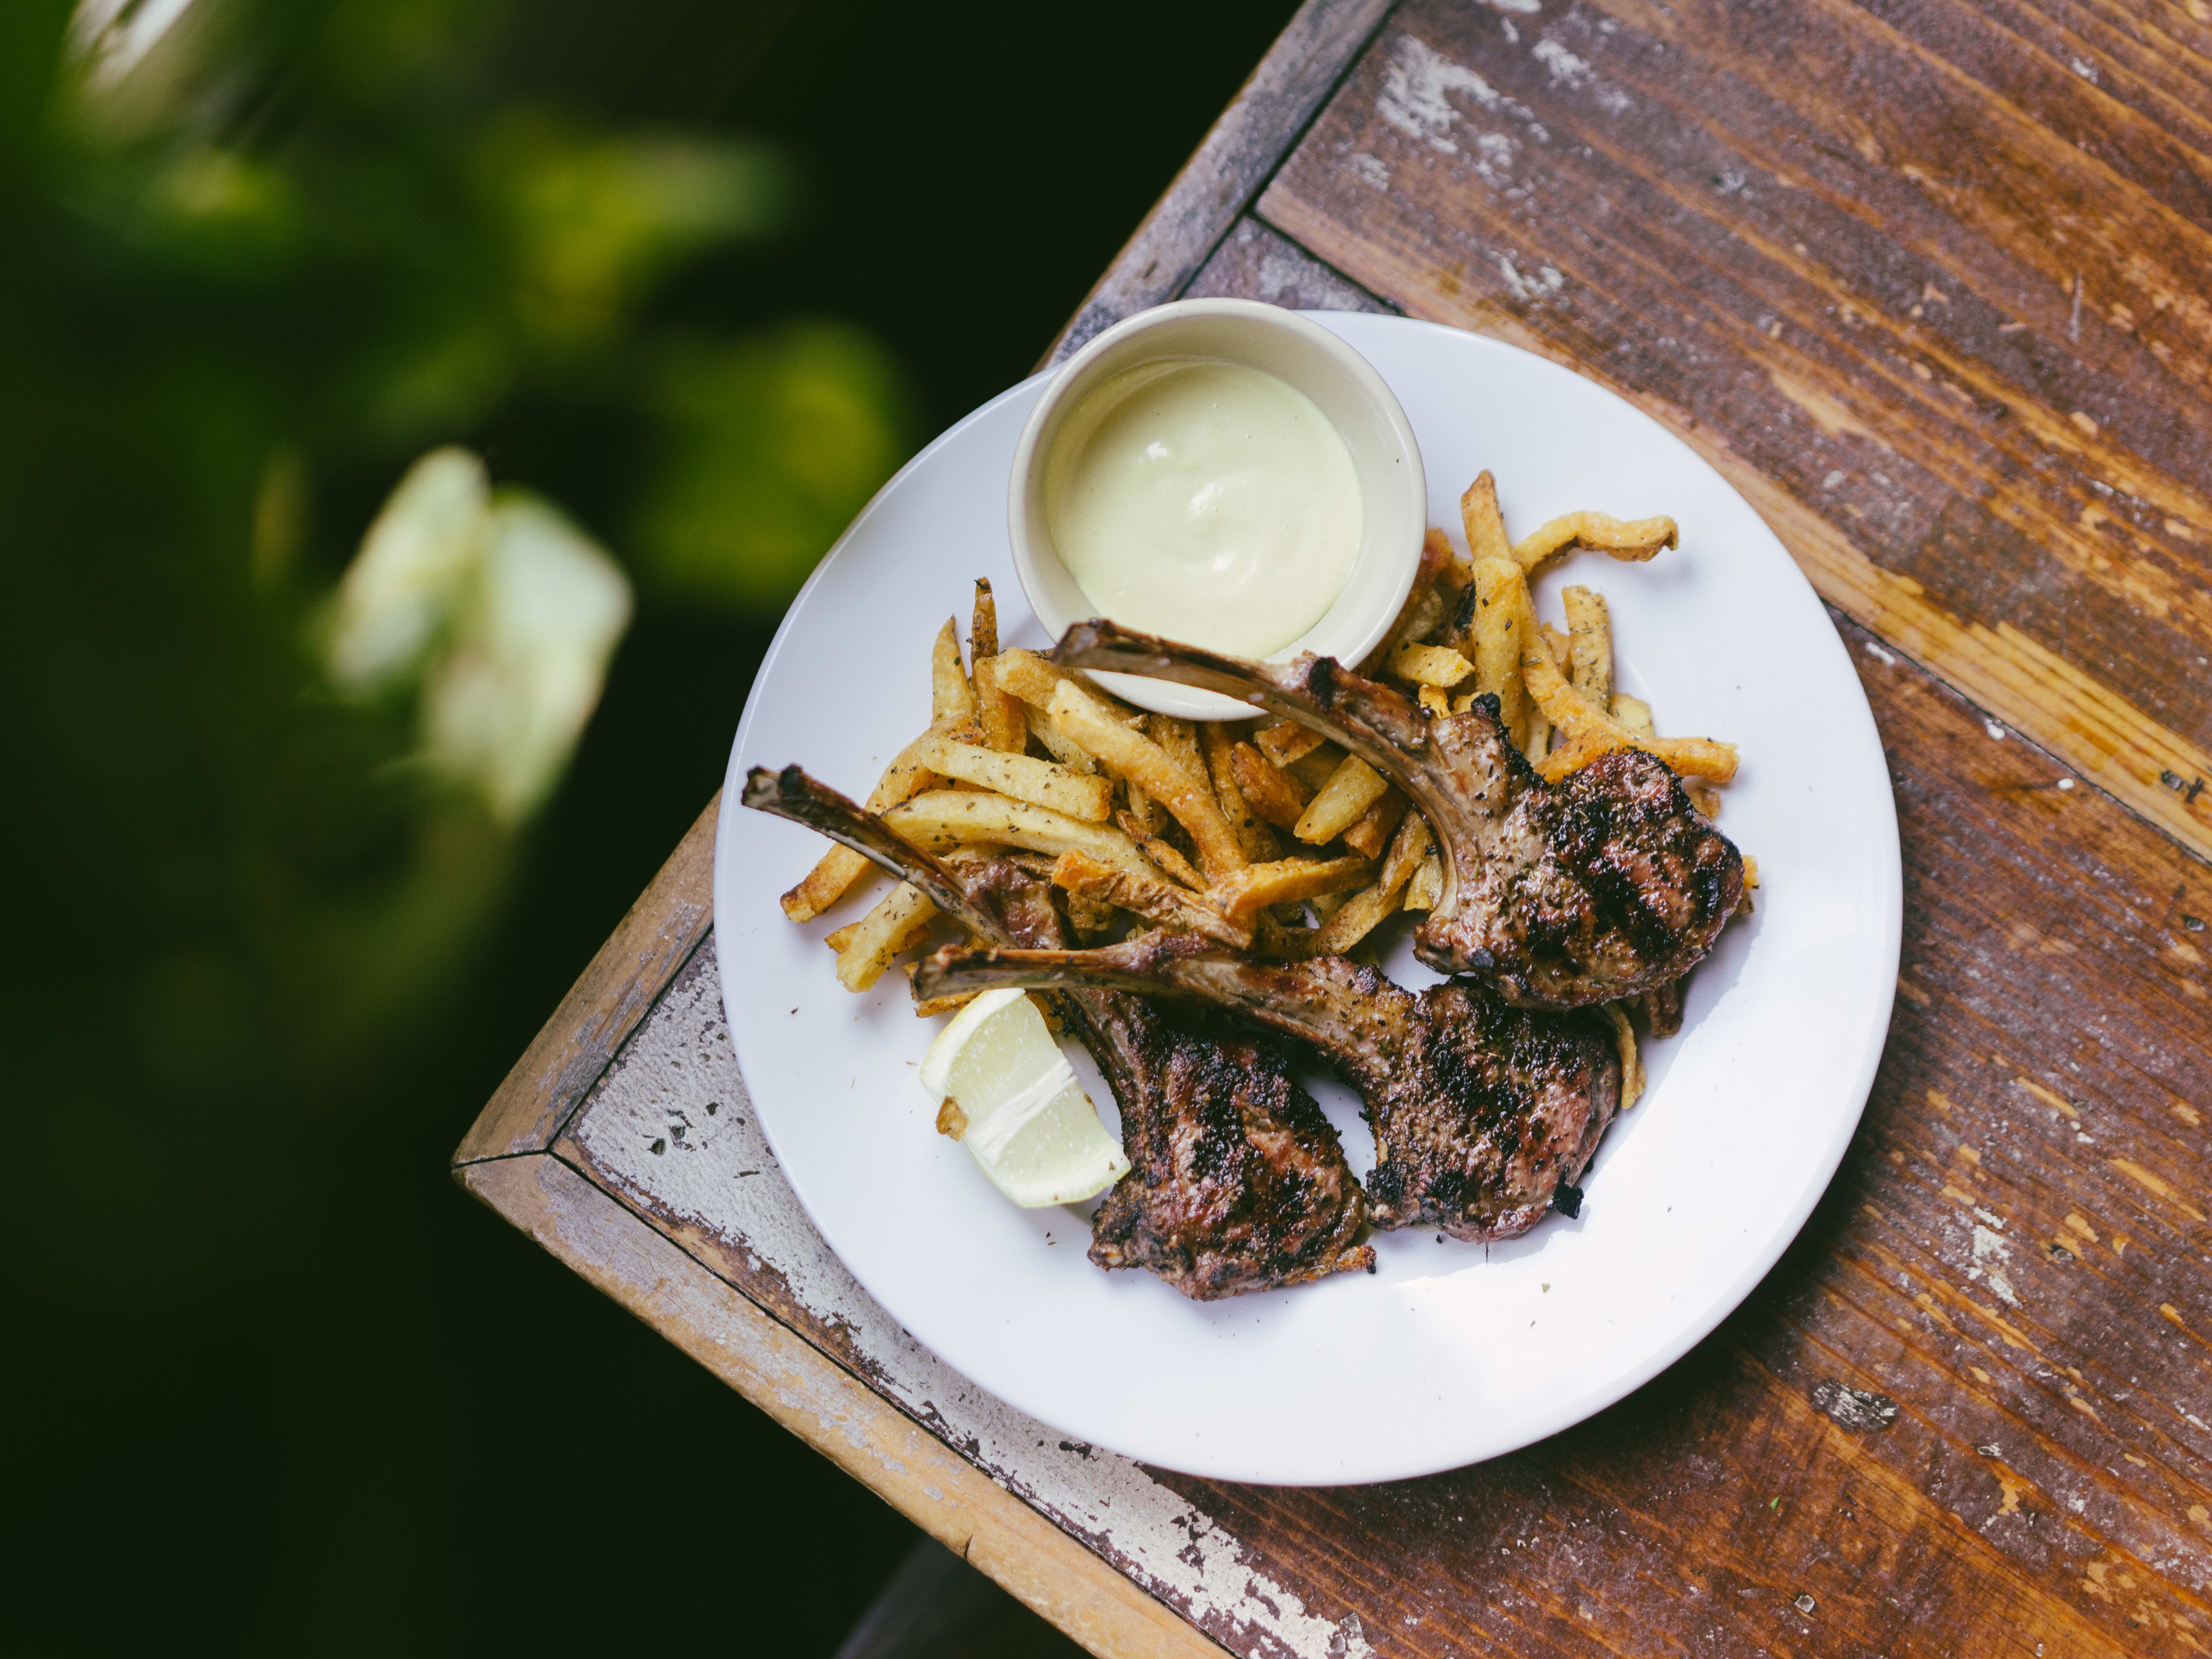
[(1717, 1305)]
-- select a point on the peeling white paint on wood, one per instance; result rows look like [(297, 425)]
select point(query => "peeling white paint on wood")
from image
[(713, 1170)]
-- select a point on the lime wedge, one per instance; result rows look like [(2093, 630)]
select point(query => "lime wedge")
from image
[(1021, 1113)]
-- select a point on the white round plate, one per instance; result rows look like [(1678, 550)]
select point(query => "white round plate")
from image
[(1450, 1352)]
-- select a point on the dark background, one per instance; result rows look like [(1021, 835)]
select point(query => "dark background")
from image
[(384, 1420)]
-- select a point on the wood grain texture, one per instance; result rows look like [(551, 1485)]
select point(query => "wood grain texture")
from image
[(604, 1005), (1229, 167), (1924, 279), (1255, 262), (2010, 1270), (785, 1378)]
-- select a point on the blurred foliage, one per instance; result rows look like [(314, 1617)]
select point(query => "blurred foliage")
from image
[(274, 791)]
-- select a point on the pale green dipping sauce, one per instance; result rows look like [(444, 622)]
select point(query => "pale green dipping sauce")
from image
[(1207, 501)]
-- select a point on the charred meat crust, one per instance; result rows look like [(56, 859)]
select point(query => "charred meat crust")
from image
[(1482, 1112), (1602, 887), (1236, 1181)]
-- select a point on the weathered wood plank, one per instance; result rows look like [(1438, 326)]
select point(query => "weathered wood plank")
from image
[(604, 1005), (1255, 262), (785, 1378), (1229, 167), (669, 1134), (2013, 1259), (1925, 282)]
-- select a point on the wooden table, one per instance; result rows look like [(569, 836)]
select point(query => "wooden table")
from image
[(1928, 281)]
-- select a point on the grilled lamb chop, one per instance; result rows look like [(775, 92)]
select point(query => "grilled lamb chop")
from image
[(1236, 1181), (1600, 888), (1485, 1114)]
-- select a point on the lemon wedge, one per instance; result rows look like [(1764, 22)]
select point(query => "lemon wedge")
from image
[(1012, 1100)]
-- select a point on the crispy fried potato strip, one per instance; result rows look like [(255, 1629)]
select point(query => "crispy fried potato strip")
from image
[(1286, 742), (1164, 854), (1360, 914), (1003, 717), (1373, 832), (1040, 782), (950, 698), (1273, 793), (1484, 525), (1427, 885), (1634, 713), (942, 818), (1632, 540), (1430, 664), (983, 622), (1340, 803), (1156, 901), (1590, 645), (841, 866), (1244, 896), (1501, 596), (1631, 1062), (1425, 606), (1589, 733), (1055, 742), (1187, 793), (1253, 834), (898, 920)]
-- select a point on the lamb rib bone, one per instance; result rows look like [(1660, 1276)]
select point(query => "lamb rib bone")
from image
[(1485, 1114), (1599, 888), (1237, 1181)]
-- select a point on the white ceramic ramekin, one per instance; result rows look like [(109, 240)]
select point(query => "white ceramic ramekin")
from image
[(1341, 384)]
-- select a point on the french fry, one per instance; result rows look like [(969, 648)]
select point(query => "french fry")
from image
[(1281, 940), (1631, 1062), (1164, 854), (1744, 906), (1634, 713), (1156, 901), (1140, 808), (1434, 701), (898, 920), (950, 698), (1030, 677), (983, 626), (929, 1008), (1326, 905), (1286, 742), (942, 818), (1351, 790), (1703, 796), (1360, 914), (1632, 540), (1244, 896), (841, 866), (1425, 607), (1056, 743), (1589, 733), (1427, 885), (1271, 792), (1484, 523), (1178, 741), (1538, 742), (1430, 664), (1590, 645), (1186, 794), (1039, 783), (1557, 639), (1316, 767), (1373, 832), (1501, 595), (1003, 717), (1252, 833)]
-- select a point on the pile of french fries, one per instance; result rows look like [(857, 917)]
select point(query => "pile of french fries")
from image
[(1272, 840)]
